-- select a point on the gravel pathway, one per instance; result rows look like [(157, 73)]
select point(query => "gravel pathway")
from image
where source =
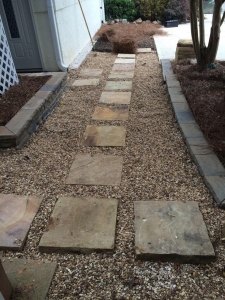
[(156, 166)]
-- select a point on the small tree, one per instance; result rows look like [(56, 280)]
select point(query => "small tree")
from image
[(151, 9), (205, 55)]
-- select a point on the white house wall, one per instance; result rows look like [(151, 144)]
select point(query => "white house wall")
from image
[(73, 34)]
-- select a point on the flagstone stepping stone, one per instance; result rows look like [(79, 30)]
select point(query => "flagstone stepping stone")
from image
[(17, 214), (104, 136), (121, 75), (96, 170), (144, 50), (110, 113), (81, 225), (91, 72), (123, 67), (171, 231), (122, 55), (30, 279), (85, 82), (118, 85), (115, 97), (125, 61)]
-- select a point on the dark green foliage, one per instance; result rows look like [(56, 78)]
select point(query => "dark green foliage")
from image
[(151, 9), (120, 9)]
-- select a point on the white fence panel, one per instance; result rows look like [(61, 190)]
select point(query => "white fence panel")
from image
[(8, 75)]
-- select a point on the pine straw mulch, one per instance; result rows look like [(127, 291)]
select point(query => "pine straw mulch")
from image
[(205, 93), (14, 99), (137, 35)]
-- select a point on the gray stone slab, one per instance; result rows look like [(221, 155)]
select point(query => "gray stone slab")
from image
[(118, 85), (121, 75), (122, 55), (115, 97), (30, 279), (104, 136), (216, 185), (110, 113), (81, 225), (96, 170), (191, 130), (180, 107), (179, 98), (91, 72), (123, 67), (185, 117), (144, 50), (175, 91), (172, 83), (17, 214), (171, 231), (125, 61), (86, 82), (198, 146), (209, 165)]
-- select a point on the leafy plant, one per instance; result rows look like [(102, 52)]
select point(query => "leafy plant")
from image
[(119, 9), (151, 9), (178, 9)]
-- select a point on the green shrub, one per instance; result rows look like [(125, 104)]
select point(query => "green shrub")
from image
[(151, 9), (119, 9)]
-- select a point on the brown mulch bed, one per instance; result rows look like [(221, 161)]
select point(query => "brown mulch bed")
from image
[(142, 34), (205, 93), (14, 99)]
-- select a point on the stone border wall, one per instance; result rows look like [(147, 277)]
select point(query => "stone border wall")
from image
[(19, 129), (209, 166)]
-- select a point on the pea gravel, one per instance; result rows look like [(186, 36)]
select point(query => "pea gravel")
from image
[(157, 166)]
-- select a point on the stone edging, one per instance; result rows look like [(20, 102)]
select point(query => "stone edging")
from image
[(19, 129), (209, 166)]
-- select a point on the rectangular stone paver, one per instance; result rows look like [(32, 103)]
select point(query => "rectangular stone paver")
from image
[(118, 85), (17, 214), (123, 67), (115, 97), (104, 136), (121, 75), (30, 279), (110, 113), (144, 50), (81, 225), (122, 55), (86, 82), (91, 72), (171, 231), (95, 170), (125, 61)]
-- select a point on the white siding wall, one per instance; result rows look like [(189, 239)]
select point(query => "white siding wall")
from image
[(73, 34)]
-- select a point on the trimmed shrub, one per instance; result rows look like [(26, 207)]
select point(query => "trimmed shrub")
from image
[(151, 9), (120, 9)]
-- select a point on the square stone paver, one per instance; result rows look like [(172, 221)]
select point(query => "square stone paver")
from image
[(171, 231), (144, 50), (125, 61), (122, 55), (17, 214), (96, 170), (115, 97), (104, 136), (86, 82), (81, 225), (124, 67), (30, 279), (110, 113), (118, 85), (91, 72), (121, 75)]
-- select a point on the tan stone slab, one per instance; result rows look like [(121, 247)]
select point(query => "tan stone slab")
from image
[(81, 225), (91, 72), (118, 85), (85, 82), (144, 50), (5, 131), (171, 231), (17, 213), (185, 43), (125, 61), (110, 113), (30, 279), (104, 136), (123, 67), (115, 97), (121, 75), (122, 55), (97, 170)]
